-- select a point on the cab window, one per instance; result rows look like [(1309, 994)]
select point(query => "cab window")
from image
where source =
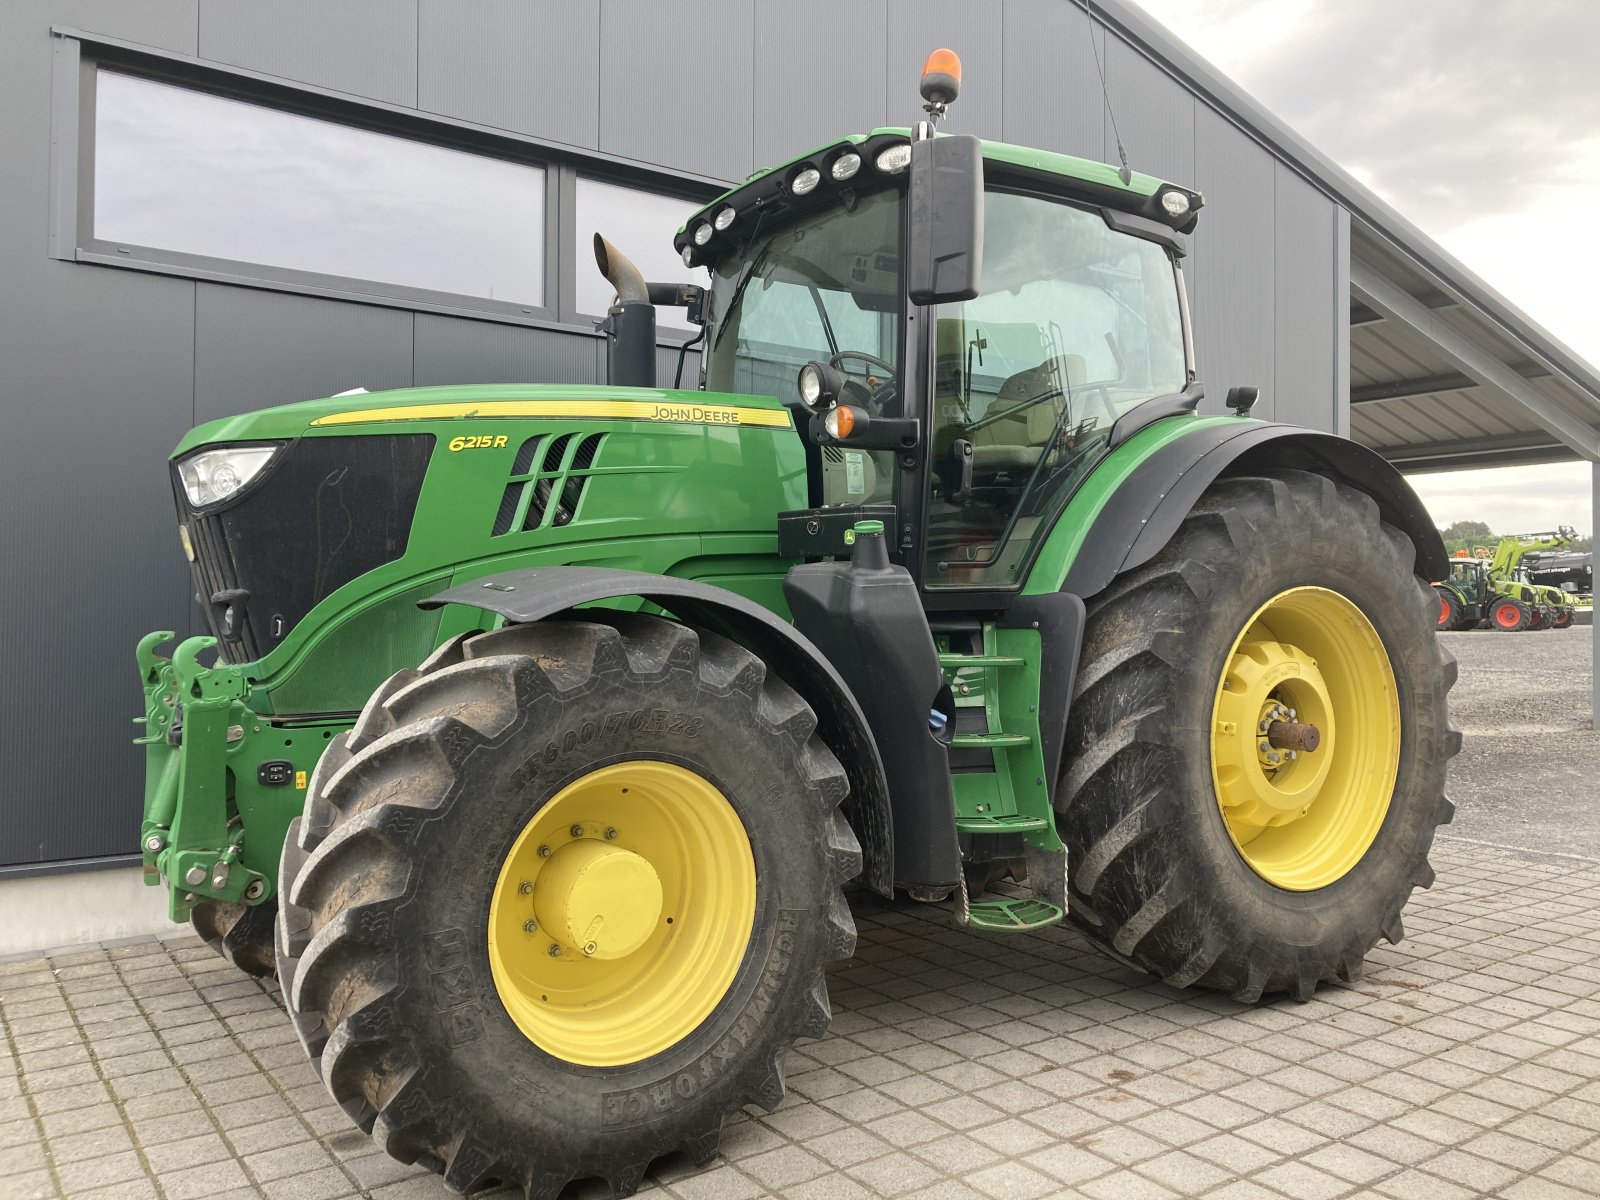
[(1075, 324)]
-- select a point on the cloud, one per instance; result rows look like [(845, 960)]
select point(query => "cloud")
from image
[(1511, 499), (1455, 108)]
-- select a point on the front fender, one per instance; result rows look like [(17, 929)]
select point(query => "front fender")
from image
[(534, 593)]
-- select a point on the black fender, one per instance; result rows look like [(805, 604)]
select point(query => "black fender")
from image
[(534, 593), (1147, 509)]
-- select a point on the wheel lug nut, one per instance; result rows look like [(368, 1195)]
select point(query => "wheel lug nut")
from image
[(544, 851), (1292, 755), (611, 834), (1273, 757), (1264, 747), (554, 951), (576, 831), (525, 887), (530, 927)]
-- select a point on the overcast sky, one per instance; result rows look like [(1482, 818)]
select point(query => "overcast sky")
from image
[(1480, 121)]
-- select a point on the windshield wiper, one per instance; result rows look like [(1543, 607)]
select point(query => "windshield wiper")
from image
[(755, 265)]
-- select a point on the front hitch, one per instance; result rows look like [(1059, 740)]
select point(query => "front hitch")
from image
[(195, 716)]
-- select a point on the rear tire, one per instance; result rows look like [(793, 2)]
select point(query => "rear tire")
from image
[(1563, 618), (1156, 878), (391, 879), (1449, 609)]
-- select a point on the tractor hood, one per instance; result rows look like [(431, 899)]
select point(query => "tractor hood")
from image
[(442, 407)]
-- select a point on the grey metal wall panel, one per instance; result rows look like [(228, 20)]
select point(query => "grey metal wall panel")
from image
[(254, 349), (96, 389), (1050, 82), (1231, 270), (532, 68), (169, 24), (676, 82), (451, 350), (1307, 303), (972, 28), (814, 85), (1154, 112), (364, 47)]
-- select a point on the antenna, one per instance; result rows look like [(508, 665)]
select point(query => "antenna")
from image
[(1125, 174)]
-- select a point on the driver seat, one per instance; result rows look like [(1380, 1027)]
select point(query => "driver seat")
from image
[(1013, 441)]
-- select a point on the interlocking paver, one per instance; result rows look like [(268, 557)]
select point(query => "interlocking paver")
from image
[(1464, 1064)]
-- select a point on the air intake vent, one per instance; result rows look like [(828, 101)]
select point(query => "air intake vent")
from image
[(549, 496)]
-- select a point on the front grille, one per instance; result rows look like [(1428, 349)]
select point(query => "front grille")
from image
[(327, 510), (549, 496)]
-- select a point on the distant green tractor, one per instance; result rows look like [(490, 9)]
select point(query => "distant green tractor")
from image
[(548, 724)]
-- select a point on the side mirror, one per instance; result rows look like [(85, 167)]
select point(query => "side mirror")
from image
[(945, 254)]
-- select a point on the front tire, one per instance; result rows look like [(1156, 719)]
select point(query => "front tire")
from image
[(240, 933), (1509, 615), (1193, 857), (561, 900)]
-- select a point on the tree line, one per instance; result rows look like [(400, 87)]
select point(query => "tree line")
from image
[(1472, 536)]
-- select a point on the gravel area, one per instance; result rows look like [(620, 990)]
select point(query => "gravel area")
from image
[(1528, 774)]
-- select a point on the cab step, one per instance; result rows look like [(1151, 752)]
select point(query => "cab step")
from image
[(1000, 823), (1012, 916), (989, 741), (979, 660)]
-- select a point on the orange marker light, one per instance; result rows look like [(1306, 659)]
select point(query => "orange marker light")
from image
[(941, 77), (840, 422)]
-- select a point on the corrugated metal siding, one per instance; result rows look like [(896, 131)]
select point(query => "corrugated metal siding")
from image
[(254, 349), (1232, 274), (676, 81), (1051, 84), (1153, 111), (1304, 302), (530, 68), (972, 28), (451, 350), (812, 84), (364, 47)]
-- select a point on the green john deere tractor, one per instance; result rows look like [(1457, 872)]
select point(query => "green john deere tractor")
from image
[(547, 725)]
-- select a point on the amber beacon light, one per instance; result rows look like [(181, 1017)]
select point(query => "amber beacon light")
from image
[(941, 78)]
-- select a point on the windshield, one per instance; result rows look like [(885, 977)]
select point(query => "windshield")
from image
[(1074, 324), (828, 288)]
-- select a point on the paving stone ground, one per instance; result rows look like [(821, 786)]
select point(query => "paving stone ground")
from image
[(1466, 1063)]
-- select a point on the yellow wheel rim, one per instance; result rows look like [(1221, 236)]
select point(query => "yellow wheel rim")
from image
[(622, 913), (1303, 818)]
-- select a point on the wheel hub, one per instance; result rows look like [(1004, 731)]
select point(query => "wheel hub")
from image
[(621, 913), (597, 900)]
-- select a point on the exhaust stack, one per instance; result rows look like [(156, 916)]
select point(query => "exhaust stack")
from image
[(630, 324)]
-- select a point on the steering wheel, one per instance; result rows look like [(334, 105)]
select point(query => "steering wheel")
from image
[(878, 397)]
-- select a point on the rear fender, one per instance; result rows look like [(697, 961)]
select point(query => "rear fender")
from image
[(535, 593), (1144, 513)]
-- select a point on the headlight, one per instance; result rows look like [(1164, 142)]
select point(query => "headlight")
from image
[(805, 182), (702, 235), (214, 475), (724, 219), (1176, 203), (894, 159), (845, 167)]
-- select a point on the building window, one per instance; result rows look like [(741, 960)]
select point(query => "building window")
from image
[(198, 176), (640, 224)]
